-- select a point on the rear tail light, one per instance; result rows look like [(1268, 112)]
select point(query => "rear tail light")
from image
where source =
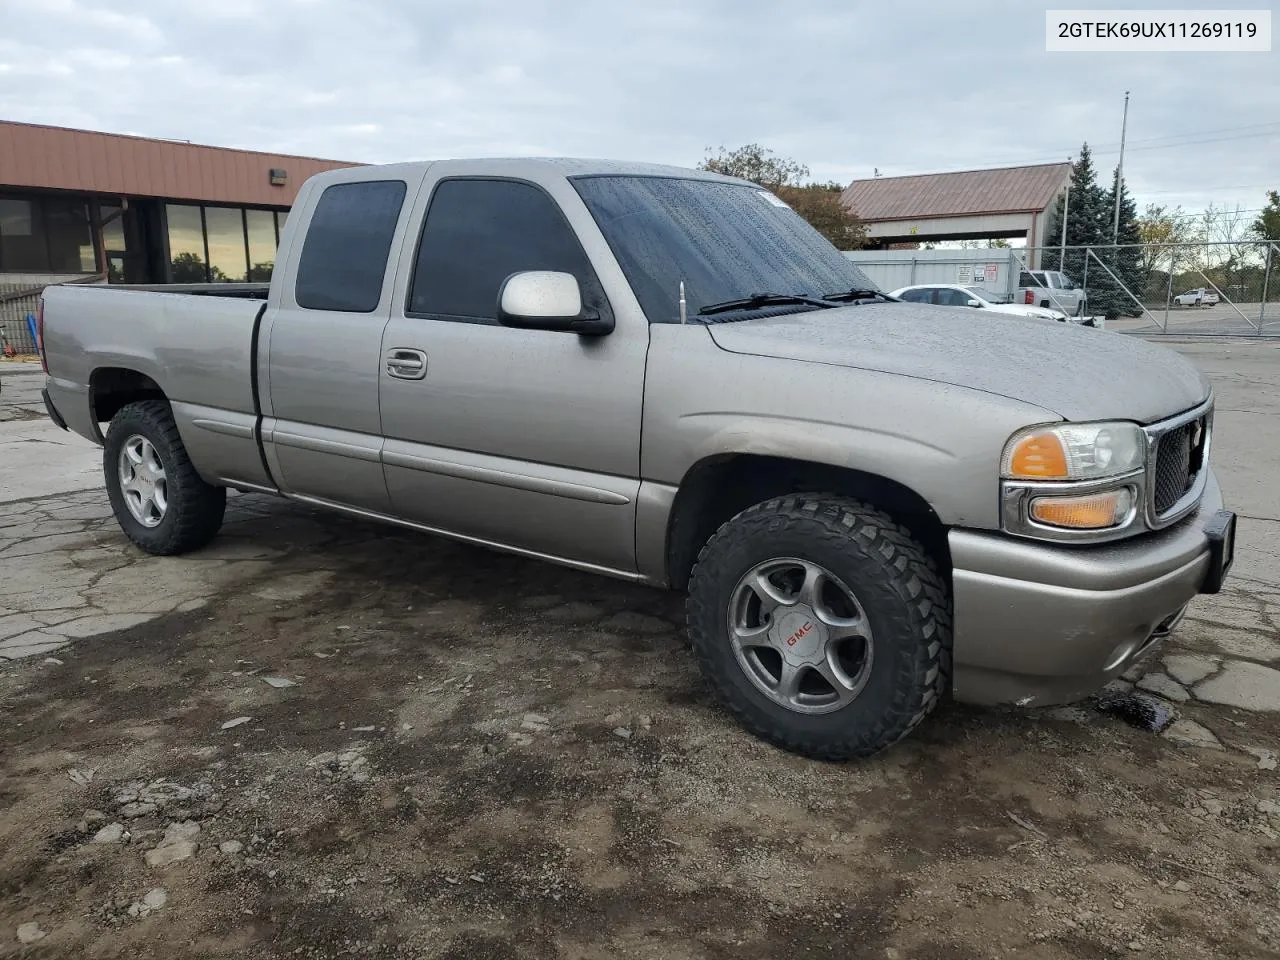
[(1029, 297), (44, 362)]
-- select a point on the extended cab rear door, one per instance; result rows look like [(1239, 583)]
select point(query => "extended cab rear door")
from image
[(321, 339), (525, 438)]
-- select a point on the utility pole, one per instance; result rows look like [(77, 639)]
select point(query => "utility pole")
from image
[(1115, 223), (1066, 209)]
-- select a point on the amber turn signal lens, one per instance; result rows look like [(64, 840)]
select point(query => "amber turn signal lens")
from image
[(1038, 456), (1096, 511)]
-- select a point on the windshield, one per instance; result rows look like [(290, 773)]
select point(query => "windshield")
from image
[(725, 241)]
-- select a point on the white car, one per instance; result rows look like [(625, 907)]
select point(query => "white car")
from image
[(955, 295), (1200, 297)]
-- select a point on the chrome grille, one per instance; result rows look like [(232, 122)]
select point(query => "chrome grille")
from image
[(1179, 455)]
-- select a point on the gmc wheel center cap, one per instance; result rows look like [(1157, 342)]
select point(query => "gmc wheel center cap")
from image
[(800, 636)]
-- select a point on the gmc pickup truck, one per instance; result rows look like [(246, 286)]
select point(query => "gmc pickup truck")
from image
[(667, 376)]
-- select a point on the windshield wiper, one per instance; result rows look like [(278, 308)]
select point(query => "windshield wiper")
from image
[(755, 301), (848, 296)]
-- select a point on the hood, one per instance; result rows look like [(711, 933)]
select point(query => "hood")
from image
[(1079, 373)]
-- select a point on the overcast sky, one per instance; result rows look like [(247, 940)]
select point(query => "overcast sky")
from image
[(908, 87)]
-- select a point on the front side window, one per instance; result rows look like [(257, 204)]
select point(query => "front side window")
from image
[(725, 241), (479, 232), (344, 255)]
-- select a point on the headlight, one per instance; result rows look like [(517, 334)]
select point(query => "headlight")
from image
[(1074, 451)]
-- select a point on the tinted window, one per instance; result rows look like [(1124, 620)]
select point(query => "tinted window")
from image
[(344, 256), (224, 232), (45, 235), (186, 243), (1026, 280), (915, 296), (724, 240), (952, 298), (66, 224), (262, 244), (479, 232)]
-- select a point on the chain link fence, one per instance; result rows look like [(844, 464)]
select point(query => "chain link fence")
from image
[(1183, 289), (17, 318)]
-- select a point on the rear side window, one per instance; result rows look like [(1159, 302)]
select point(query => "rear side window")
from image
[(479, 232), (344, 256)]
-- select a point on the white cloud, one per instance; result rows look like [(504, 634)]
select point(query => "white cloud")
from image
[(842, 86)]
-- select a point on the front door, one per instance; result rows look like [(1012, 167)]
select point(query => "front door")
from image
[(524, 438), (322, 337)]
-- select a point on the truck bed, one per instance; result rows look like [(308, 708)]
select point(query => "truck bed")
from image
[(196, 346)]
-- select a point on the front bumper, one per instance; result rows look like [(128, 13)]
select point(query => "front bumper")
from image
[(1039, 623)]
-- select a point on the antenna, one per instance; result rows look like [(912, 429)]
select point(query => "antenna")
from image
[(684, 318)]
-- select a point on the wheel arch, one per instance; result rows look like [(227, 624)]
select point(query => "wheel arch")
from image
[(112, 388), (718, 487)]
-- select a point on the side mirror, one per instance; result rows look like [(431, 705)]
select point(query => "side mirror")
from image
[(547, 300), (974, 303)]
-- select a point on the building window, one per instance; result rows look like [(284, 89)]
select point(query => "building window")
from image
[(186, 244), (222, 244), (261, 230), (224, 233), (49, 234)]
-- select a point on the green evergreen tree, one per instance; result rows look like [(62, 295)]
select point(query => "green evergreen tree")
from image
[(1087, 220), (1124, 259)]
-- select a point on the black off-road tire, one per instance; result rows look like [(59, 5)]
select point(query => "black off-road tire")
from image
[(195, 508), (904, 597)]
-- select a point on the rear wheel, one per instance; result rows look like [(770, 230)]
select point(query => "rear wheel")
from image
[(159, 500), (822, 625)]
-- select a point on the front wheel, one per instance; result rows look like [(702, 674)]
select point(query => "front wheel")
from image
[(159, 500), (822, 625)]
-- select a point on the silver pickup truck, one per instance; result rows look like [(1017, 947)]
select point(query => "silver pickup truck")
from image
[(668, 377)]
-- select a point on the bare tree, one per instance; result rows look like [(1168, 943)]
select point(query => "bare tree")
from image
[(757, 164), (1159, 227)]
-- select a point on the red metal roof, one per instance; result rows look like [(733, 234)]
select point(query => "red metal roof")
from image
[(41, 157), (964, 193)]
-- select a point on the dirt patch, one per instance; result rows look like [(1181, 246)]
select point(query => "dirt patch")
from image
[(445, 779)]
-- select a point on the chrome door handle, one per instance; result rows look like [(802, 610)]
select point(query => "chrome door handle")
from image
[(407, 364)]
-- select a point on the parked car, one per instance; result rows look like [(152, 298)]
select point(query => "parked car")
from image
[(1050, 289), (1200, 297), (955, 295), (669, 377)]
